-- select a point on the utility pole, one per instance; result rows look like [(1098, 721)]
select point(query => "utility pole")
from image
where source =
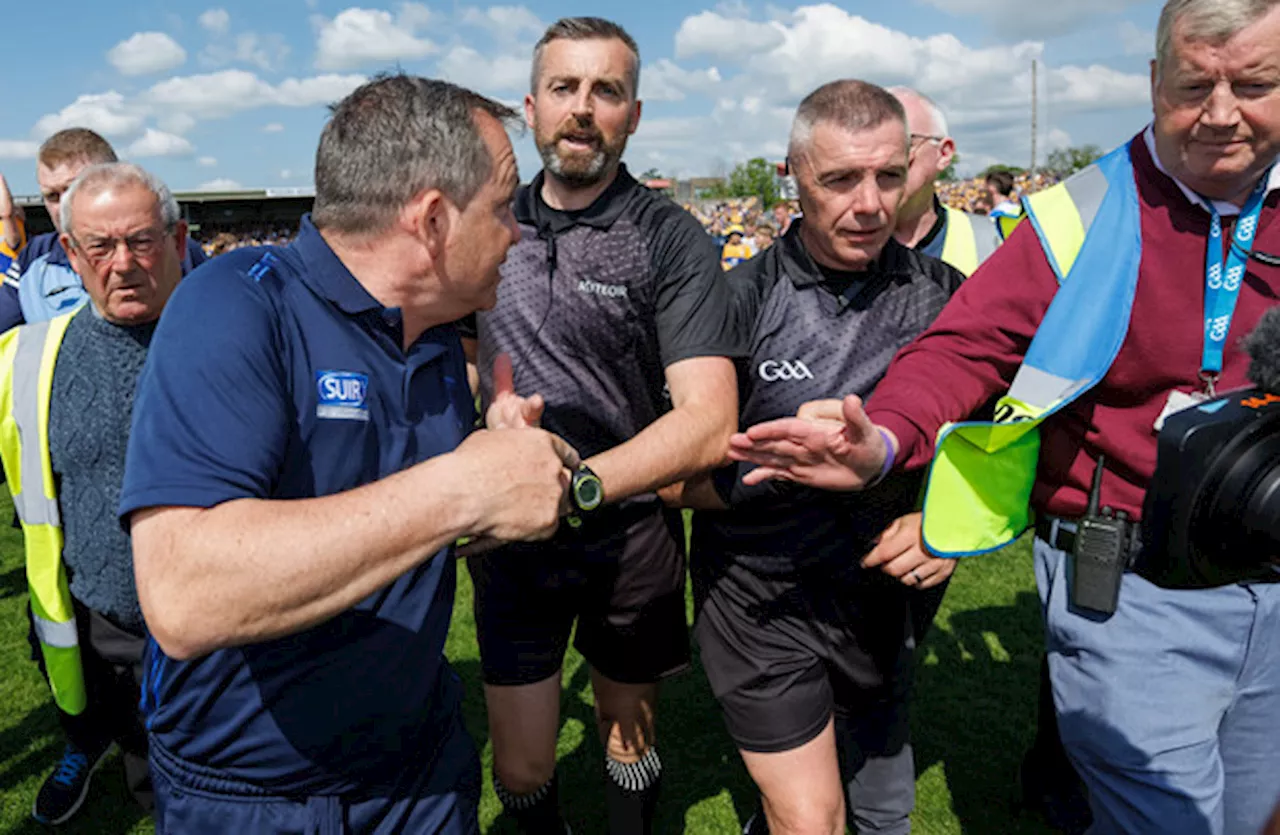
[(1035, 89)]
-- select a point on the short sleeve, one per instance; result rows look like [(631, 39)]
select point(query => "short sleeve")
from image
[(694, 311), (211, 415)]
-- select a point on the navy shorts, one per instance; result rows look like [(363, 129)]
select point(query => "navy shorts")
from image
[(621, 577), (437, 795)]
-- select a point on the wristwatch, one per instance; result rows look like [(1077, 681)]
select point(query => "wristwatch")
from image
[(586, 492)]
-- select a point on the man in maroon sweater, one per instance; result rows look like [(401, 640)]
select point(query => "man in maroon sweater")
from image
[(1169, 708)]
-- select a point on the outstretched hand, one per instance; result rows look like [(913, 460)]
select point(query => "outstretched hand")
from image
[(830, 444), (508, 409)]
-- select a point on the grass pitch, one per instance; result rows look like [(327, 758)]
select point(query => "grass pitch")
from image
[(972, 717)]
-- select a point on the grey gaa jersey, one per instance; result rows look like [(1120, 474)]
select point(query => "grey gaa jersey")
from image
[(816, 335), (593, 305)]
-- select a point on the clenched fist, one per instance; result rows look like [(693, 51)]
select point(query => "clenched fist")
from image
[(519, 481)]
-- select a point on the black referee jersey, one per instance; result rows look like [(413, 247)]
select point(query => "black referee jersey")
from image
[(816, 333), (594, 305)]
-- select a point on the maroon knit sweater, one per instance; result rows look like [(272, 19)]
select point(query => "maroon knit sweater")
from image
[(975, 346)]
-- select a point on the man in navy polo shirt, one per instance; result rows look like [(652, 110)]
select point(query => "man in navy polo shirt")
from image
[(298, 475)]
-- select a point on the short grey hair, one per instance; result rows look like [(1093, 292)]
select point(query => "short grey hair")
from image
[(393, 138), (848, 103), (1214, 21), (105, 175), (582, 29), (937, 121)]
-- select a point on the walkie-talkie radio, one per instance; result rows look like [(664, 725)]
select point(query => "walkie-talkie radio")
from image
[(1103, 545)]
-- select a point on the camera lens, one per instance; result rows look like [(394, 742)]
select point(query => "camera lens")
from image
[(1236, 514), (1261, 514)]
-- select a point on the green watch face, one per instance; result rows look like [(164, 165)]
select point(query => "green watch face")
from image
[(587, 491)]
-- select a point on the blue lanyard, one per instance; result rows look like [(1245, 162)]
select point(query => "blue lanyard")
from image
[(1222, 283)]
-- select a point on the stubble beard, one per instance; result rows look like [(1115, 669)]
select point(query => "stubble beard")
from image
[(581, 170)]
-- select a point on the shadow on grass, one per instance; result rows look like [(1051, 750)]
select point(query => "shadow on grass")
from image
[(699, 760), (13, 582), (108, 810), (974, 710)]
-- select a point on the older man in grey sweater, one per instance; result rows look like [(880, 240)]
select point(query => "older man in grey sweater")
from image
[(121, 229)]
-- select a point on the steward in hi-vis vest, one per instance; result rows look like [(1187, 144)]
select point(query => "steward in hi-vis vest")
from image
[(967, 239), (979, 488), (66, 402), (27, 356)]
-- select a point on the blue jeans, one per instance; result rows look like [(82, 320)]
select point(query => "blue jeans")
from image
[(1169, 708)]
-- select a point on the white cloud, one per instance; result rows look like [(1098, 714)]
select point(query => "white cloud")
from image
[(822, 42), (286, 174), (273, 127), (107, 113), (1018, 18), (505, 23), (1135, 40), (216, 21), (207, 162), (220, 184), (666, 81), (414, 16), (725, 36), (175, 122), (146, 52), (316, 90), (214, 95), (359, 37), (155, 143), (1097, 88), (266, 52), (751, 94), (505, 72), (18, 149)]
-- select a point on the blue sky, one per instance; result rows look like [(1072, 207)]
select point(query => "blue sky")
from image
[(232, 93)]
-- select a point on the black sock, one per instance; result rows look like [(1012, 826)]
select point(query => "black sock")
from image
[(536, 813), (631, 793)]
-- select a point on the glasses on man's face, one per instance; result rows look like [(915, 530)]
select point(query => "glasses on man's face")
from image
[(144, 244), (918, 141)]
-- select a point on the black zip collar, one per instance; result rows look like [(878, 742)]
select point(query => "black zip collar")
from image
[(531, 210), (803, 271)]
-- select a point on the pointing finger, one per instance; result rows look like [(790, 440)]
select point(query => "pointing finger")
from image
[(503, 375)]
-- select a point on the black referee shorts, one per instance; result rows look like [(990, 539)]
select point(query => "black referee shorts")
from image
[(784, 653), (621, 577)]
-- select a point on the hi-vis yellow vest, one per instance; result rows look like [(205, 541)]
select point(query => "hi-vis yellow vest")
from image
[(969, 240), (978, 494), (27, 357)]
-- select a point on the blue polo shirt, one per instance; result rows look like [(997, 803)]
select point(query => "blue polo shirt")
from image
[(273, 374)]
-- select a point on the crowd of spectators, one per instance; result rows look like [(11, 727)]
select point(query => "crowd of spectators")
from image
[(972, 195), (744, 227), (757, 225), (216, 239)]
